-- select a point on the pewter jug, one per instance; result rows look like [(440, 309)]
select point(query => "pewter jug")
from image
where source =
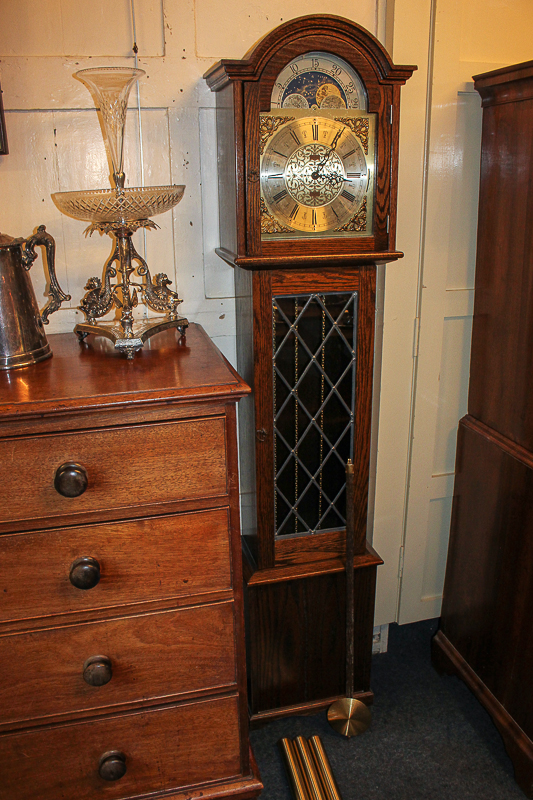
[(22, 337)]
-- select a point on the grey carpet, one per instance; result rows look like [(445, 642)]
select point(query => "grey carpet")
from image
[(429, 739)]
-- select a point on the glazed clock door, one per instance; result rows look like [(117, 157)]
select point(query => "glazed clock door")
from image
[(314, 338)]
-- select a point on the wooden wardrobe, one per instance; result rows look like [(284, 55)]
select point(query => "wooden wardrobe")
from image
[(486, 627)]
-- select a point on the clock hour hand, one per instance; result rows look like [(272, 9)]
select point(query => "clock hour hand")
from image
[(316, 174)]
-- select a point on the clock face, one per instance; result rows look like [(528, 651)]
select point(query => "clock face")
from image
[(317, 152), (317, 175), (314, 174), (318, 80)]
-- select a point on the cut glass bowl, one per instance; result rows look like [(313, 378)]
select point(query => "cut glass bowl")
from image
[(118, 205)]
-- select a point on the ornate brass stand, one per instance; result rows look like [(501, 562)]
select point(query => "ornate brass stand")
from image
[(127, 334)]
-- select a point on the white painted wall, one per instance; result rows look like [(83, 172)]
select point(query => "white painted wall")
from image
[(56, 144)]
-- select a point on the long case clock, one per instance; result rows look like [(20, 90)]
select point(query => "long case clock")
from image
[(307, 128)]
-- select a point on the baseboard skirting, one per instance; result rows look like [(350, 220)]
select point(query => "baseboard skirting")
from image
[(519, 746)]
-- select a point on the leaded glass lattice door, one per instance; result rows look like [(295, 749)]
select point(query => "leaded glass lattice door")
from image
[(312, 347), (314, 364)]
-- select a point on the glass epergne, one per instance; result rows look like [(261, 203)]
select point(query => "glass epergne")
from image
[(120, 211)]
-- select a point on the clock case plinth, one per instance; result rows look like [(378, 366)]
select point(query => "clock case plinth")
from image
[(294, 585)]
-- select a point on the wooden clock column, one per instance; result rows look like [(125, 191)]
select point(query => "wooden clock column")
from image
[(307, 126), (485, 633), (121, 618)]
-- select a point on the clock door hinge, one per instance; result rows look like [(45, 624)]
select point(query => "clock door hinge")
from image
[(400, 563), (388, 222), (391, 114), (416, 336)]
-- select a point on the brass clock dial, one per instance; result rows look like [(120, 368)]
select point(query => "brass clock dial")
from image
[(317, 173)]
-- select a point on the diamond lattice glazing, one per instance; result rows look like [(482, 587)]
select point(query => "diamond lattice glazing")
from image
[(314, 369)]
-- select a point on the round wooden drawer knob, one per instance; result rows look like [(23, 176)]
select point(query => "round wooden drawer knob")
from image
[(71, 479), (84, 573), (112, 766), (97, 670)]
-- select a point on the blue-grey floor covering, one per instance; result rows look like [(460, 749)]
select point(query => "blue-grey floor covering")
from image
[(429, 739)]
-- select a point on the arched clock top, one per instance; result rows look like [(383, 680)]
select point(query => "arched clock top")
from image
[(305, 34)]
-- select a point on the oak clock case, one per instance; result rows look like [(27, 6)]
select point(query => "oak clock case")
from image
[(307, 129)]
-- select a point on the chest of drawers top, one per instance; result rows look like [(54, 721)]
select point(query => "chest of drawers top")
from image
[(89, 376), (150, 434)]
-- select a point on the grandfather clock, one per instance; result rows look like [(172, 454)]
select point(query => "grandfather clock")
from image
[(307, 127)]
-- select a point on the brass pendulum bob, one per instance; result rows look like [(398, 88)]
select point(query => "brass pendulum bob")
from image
[(349, 716)]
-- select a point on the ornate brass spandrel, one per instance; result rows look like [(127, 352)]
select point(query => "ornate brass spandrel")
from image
[(269, 224), (268, 125), (358, 222), (359, 126)]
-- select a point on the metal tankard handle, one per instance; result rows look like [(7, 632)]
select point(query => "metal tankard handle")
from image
[(55, 293)]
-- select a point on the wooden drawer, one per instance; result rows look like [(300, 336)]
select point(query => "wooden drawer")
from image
[(159, 655), (126, 467), (141, 559), (166, 748)]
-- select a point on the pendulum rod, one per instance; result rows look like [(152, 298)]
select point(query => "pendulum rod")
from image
[(349, 716), (350, 605), (274, 411)]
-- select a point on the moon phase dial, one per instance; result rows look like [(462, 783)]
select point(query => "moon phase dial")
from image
[(314, 177), (318, 80)]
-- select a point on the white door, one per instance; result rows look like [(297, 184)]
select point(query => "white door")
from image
[(429, 293)]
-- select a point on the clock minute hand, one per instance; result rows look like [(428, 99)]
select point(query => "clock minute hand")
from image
[(322, 164)]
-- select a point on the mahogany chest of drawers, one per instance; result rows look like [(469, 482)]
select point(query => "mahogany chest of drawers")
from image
[(121, 624)]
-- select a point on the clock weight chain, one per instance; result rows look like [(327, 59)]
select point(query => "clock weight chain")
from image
[(295, 414)]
